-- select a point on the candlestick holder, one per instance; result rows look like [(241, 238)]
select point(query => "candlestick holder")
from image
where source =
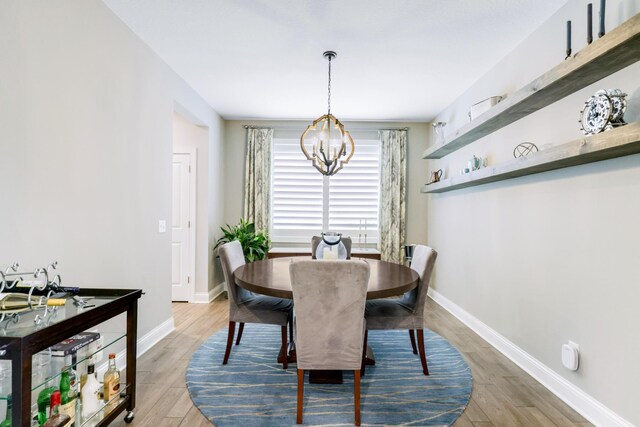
[(603, 4), (589, 23), (362, 233), (568, 50)]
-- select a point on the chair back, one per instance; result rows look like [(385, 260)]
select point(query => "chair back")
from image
[(232, 257), (329, 299), (315, 241), (422, 262)]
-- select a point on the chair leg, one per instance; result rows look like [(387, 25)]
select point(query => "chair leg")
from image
[(413, 341), (290, 322), (423, 356), (364, 353), (285, 359), (356, 395), (240, 329), (300, 395), (232, 331)]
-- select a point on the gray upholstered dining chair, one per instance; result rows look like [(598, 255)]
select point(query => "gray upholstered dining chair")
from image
[(329, 298), (315, 241), (247, 307), (406, 312)]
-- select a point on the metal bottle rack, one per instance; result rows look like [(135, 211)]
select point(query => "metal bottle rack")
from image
[(11, 276)]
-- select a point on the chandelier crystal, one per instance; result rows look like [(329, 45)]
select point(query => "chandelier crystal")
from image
[(325, 142)]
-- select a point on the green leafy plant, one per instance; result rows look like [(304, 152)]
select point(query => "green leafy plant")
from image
[(255, 245)]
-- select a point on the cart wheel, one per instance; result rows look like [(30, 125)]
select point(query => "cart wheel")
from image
[(129, 417)]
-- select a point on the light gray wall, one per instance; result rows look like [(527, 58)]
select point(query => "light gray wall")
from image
[(86, 141), (419, 134), (217, 189), (551, 257)]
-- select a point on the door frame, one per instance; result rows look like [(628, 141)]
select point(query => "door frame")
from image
[(193, 194)]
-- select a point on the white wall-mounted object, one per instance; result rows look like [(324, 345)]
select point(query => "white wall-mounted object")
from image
[(571, 356), (483, 106), (162, 226)]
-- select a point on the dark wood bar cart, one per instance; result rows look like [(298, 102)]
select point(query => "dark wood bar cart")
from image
[(25, 337)]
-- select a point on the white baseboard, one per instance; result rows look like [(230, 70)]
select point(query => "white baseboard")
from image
[(154, 336), (145, 343), (207, 297), (218, 290), (581, 402)]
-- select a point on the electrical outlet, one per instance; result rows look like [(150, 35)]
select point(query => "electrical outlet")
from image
[(162, 226)]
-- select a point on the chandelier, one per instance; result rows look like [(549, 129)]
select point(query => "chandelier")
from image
[(325, 142)]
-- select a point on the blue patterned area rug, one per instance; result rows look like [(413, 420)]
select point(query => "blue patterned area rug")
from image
[(254, 390)]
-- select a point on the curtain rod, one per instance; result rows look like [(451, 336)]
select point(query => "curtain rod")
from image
[(303, 126)]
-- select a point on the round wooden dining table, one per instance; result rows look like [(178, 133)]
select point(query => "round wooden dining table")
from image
[(271, 277)]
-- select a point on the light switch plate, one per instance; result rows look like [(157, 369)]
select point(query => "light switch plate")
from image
[(162, 226)]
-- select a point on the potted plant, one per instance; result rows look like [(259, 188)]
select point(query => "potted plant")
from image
[(255, 245)]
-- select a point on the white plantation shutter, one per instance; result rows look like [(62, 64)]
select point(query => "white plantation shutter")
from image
[(354, 193), (297, 194), (306, 203)]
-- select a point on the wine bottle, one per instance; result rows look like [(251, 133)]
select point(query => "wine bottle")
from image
[(89, 394), (44, 401), (56, 419), (20, 302), (24, 286), (68, 394), (111, 384)]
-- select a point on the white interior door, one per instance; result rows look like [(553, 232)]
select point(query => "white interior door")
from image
[(182, 262)]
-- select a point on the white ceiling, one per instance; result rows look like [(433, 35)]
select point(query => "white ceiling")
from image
[(397, 59)]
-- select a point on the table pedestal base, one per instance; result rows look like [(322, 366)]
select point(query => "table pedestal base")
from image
[(369, 357), (323, 376)]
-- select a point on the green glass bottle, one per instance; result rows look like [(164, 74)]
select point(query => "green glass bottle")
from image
[(44, 399), (7, 420), (68, 394)]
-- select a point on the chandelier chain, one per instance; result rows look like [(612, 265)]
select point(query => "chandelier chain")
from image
[(329, 89)]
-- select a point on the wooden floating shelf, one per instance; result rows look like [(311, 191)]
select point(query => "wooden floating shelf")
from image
[(618, 142), (613, 52)]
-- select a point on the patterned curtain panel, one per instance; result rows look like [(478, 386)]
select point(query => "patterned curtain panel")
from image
[(257, 178), (393, 188)]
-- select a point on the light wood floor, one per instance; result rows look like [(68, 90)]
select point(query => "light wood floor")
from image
[(503, 394)]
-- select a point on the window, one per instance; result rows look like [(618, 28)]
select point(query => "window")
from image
[(305, 203)]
